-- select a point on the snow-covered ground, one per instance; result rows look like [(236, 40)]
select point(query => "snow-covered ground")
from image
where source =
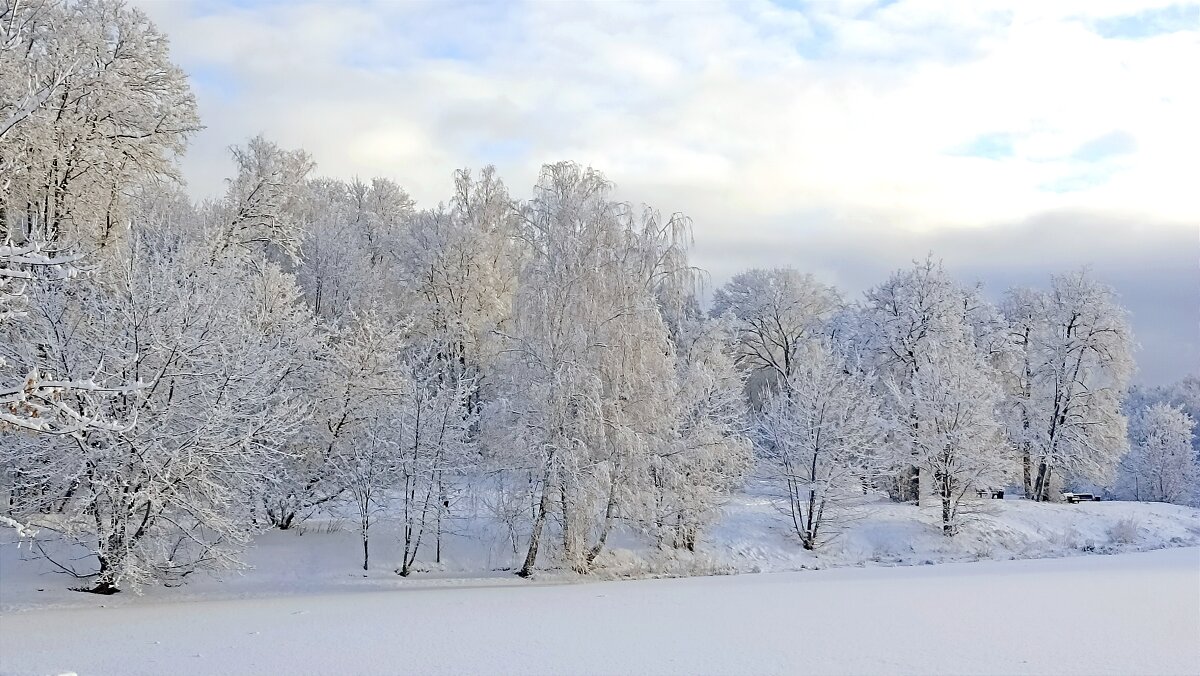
[(1124, 614), (752, 536), (305, 605)]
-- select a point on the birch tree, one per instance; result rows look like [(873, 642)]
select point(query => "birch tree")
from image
[(350, 447), (589, 362), (708, 453), (1025, 315), (434, 421)]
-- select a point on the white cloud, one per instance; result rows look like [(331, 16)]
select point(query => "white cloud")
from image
[(758, 120), (719, 95)]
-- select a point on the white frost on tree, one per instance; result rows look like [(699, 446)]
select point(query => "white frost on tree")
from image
[(1161, 465), (818, 434), (586, 397), (222, 348), (777, 312), (957, 441), (900, 328), (708, 454), (90, 107), (1081, 361)]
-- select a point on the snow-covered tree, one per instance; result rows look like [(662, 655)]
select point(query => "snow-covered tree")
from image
[(1161, 465), (957, 441), (369, 472), (90, 109), (351, 241), (432, 420), (902, 326), (585, 389), (263, 202), (1183, 394), (90, 106), (818, 434), (461, 264), (1081, 358), (1024, 314), (708, 454), (349, 446), (458, 264), (777, 312), (222, 348), (32, 398)]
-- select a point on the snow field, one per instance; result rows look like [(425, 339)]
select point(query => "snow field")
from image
[(1123, 614)]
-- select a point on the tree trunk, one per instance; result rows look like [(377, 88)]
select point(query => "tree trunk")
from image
[(568, 545), (947, 525), (1041, 487), (104, 583), (366, 549), (609, 510), (443, 503), (535, 536), (1027, 469), (915, 484)]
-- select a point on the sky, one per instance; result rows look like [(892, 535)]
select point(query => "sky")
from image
[(1013, 139)]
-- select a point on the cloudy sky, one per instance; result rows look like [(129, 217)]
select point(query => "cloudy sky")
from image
[(1013, 139)]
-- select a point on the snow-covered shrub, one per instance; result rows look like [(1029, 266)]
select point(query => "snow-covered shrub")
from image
[(1068, 539), (1125, 531)]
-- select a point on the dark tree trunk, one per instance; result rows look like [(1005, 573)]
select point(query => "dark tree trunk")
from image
[(535, 536), (104, 583), (1041, 487), (947, 525), (568, 546), (443, 504), (366, 550), (1027, 470)]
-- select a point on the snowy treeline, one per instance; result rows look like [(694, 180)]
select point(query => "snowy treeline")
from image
[(178, 375), (1163, 463)]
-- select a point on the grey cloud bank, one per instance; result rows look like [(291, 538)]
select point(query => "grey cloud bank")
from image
[(1152, 266)]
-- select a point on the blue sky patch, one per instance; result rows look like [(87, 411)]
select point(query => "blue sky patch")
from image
[(1152, 22), (1109, 145), (1077, 182), (215, 80), (496, 151), (995, 146)]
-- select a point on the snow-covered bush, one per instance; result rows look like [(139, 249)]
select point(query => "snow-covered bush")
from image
[(1125, 531)]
